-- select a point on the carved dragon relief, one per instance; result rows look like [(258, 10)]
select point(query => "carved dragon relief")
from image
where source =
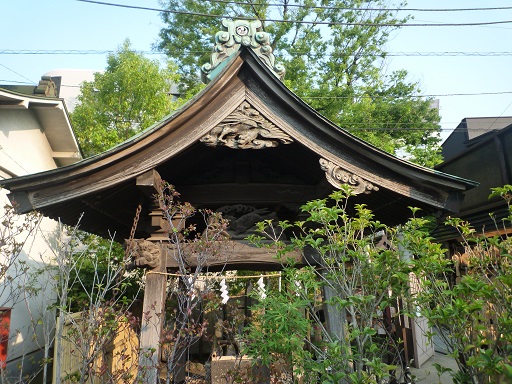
[(145, 254), (337, 176), (246, 128)]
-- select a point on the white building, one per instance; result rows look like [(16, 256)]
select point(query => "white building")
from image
[(68, 83), (35, 136)]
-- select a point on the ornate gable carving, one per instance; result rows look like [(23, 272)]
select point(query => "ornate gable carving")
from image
[(237, 33), (246, 128), (338, 176)]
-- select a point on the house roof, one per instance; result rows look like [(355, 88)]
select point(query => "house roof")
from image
[(47, 87), (470, 131), (205, 149), (52, 116), (488, 160)]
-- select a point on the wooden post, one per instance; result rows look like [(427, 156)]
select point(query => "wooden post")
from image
[(152, 323), (334, 318), (153, 309), (180, 358)]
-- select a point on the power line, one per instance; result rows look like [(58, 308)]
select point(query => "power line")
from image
[(104, 52), (14, 160), (13, 71), (447, 53), (432, 95), (355, 128), (501, 114), (388, 129), (18, 82), (74, 52), (336, 97), (363, 9), (302, 21)]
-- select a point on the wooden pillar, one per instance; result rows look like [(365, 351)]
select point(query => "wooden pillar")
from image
[(179, 361), (334, 318), (153, 309), (152, 324)]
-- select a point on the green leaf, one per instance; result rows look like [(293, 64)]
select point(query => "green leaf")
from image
[(507, 370), (125, 99)]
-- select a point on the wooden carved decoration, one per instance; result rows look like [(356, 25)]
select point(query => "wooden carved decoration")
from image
[(338, 176), (237, 33), (243, 219), (246, 128), (145, 254)]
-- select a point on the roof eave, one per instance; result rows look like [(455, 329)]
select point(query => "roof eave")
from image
[(54, 119)]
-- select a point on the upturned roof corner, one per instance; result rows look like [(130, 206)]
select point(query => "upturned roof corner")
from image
[(235, 34)]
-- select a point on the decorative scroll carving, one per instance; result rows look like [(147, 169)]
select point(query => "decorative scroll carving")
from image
[(235, 34), (338, 176), (246, 128), (145, 254)]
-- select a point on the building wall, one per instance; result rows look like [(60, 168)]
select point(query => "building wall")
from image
[(29, 308), (24, 149)]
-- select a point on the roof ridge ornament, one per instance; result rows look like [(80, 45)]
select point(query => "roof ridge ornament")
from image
[(245, 128), (46, 87), (237, 33), (337, 176)]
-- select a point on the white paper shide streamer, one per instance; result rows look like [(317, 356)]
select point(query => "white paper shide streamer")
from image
[(224, 291), (261, 288), (192, 288), (299, 287)]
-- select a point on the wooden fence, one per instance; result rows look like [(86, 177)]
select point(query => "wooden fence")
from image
[(117, 364)]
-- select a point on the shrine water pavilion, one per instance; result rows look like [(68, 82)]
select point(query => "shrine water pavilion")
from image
[(244, 144)]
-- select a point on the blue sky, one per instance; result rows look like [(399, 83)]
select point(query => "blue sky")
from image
[(70, 25)]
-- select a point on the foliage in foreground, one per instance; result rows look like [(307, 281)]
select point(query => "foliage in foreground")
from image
[(85, 335), (363, 269), (91, 307), (362, 272), (474, 316), (362, 280)]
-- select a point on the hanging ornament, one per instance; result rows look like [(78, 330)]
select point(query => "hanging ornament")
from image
[(261, 288), (224, 291), (298, 285), (192, 291)]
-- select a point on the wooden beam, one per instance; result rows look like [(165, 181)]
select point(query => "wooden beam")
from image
[(66, 155), (149, 183), (253, 193), (231, 254), (17, 104)]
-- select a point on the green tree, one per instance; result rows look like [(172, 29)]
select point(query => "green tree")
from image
[(358, 279), (334, 54), (131, 95), (473, 314)]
